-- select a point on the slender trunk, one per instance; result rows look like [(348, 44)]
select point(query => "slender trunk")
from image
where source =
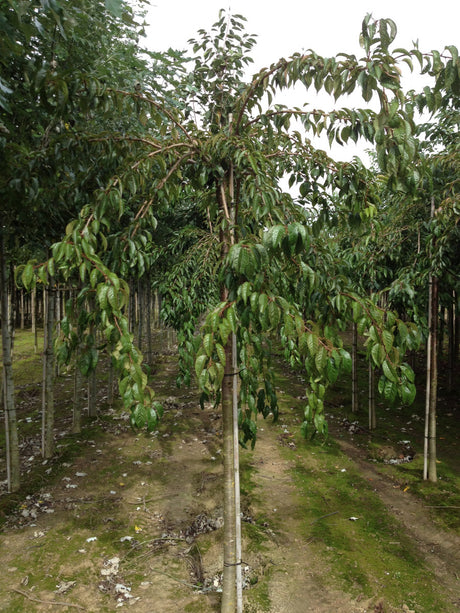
[(110, 382), (140, 319), (48, 375), (148, 323), (92, 381), (428, 382), (77, 396), (441, 333), (429, 448), (229, 576), (132, 307), (57, 311), (432, 470), (33, 309), (230, 599), (372, 413), (354, 370), (159, 309), (236, 463), (11, 426), (456, 327), (450, 347), (22, 308)]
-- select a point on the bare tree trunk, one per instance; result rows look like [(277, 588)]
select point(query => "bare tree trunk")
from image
[(132, 315), (33, 309), (432, 469), (429, 449), (77, 396), (57, 311), (230, 597), (236, 467), (11, 426), (372, 413), (148, 323), (229, 575), (456, 327), (450, 347), (354, 370), (22, 308), (92, 380), (140, 318), (110, 383), (48, 375)]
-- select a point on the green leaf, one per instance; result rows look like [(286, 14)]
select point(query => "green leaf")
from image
[(378, 354), (115, 7), (208, 344), (27, 275), (332, 372), (200, 363), (387, 340), (221, 353), (389, 371)]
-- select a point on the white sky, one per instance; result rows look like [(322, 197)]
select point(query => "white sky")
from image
[(287, 26)]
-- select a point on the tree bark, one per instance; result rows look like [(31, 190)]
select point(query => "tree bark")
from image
[(140, 319), (229, 575), (429, 448), (451, 345), (33, 308), (77, 396), (236, 467), (11, 426), (432, 469), (48, 375), (372, 413), (354, 370)]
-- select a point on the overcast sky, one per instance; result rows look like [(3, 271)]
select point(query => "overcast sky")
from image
[(287, 26)]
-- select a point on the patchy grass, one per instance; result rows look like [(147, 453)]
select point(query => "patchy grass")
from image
[(162, 481)]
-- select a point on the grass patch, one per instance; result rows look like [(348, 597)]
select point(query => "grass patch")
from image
[(370, 554)]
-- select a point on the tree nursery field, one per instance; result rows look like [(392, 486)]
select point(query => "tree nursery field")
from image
[(122, 518), (229, 356)]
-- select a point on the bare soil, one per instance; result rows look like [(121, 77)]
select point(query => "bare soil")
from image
[(135, 521)]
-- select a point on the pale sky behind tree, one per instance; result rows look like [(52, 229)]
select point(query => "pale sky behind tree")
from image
[(284, 27)]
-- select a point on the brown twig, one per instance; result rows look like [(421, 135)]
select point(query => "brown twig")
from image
[(324, 516), (61, 604)]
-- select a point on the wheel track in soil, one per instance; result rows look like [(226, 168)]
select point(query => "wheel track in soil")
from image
[(439, 548)]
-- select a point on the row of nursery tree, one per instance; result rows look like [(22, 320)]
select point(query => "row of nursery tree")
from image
[(122, 168)]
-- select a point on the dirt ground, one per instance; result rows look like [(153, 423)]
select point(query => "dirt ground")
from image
[(135, 521)]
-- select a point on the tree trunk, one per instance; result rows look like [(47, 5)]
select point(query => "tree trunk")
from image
[(229, 576), (33, 309), (432, 470), (372, 413), (92, 380), (22, 308), (450, 347), (92, 393), (110, 383), (429, 448), (57, 313), (231, 595), (236, 467), (148, 323), (11, 426), (456, 327), (48, 375), (354, 370), (77, 397), (140, 319)]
